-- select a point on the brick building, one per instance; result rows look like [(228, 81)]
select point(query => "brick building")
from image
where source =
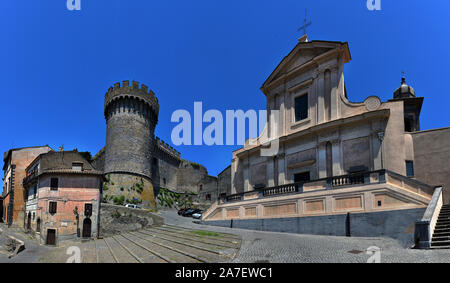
[(1, 209), (63, 197), (15, 162)]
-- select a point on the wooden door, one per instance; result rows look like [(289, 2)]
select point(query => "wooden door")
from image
[(51, 237), (87, 228)]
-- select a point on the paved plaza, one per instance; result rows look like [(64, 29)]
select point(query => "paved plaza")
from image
[(182, 240)]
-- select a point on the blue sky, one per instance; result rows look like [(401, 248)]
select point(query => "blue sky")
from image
[(56, 65)]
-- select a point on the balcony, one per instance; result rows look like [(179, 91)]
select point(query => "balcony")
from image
[(30, 178), (358, 192)]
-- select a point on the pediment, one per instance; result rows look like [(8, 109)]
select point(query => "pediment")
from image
[(303, 53)]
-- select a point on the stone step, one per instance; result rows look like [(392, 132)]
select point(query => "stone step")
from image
[(441, 230), (203, 255), (441, 234), (200, 244), (443, 225), (225, 235), (440, 247), (89, 252), (168, 254), (440, 243), (440, 238), (120, 254), (131, 248), (144, 255), (210, 240), (103, 252)]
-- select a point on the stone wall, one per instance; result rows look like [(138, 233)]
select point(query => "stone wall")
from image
[(132, 187), (397, 224), (119, 219), (189, 176), (431, 158), (224, 181)]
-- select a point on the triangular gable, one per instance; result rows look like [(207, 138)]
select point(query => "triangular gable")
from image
[(303, 53)]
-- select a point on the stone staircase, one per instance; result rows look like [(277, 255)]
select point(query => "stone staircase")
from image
[(156, 244), (441, 235)]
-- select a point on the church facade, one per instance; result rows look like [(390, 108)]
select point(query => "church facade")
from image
[(335, 157)]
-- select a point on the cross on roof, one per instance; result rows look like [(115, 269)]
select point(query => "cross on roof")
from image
[(305, 23)]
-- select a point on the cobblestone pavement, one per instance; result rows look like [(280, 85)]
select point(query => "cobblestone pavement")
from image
[(273, 247)]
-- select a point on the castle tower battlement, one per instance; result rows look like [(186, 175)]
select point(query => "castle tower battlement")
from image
[(131, 114), (140, 94), (162, 145)]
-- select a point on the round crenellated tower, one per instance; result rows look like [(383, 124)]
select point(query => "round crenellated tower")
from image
[(131, 114)]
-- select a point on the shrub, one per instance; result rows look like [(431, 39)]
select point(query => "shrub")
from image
[(116, 214)]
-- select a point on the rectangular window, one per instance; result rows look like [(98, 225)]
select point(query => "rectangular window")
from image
[(301, 107), (302, 177), (52, 207), (54, 184), (409, 168), (77, 166), (88, 209)]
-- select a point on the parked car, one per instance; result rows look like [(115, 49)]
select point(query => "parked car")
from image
[(189, 212), (181, 211), (129, 205), (197, 215)]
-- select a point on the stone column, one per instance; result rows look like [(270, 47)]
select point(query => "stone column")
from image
[(337, 169), (322, 162), (320, 98), (233, 171), (281, 169), (334, 94), (377, 151), (269, 172), (246, 173)]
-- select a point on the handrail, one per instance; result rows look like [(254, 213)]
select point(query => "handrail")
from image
[(210, 209), (424, 228)]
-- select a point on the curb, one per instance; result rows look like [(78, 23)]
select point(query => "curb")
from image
[(19, 248)]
